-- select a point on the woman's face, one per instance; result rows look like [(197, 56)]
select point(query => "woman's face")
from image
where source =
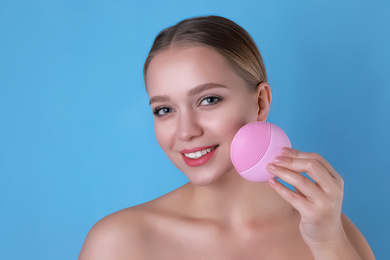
[(199, 103)]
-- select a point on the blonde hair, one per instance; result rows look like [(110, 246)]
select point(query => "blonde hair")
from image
[(222, 34)]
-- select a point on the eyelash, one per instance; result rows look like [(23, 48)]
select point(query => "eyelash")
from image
[(213, 97), (158, 109)]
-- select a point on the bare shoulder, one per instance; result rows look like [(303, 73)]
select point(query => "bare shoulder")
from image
[(116, 236), (128, 233), (357, 239)]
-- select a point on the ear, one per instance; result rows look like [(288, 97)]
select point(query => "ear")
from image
[(264, 97)]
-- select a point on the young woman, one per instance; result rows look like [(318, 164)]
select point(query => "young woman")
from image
[(206, 79)]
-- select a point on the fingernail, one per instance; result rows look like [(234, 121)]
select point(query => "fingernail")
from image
[(271, 167), (278, 160), (272, 181), (286, 150)]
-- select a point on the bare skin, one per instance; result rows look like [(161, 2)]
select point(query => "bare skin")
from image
[(167, 228), (200, 101), (171, 228)]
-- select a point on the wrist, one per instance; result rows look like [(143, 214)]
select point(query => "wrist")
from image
[(337, 248)]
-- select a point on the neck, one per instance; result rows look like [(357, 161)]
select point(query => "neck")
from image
[(235, 201)]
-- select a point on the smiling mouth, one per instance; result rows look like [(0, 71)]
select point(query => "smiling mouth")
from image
[(199, 154)]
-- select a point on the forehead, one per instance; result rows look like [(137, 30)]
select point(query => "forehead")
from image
[(182, 68)]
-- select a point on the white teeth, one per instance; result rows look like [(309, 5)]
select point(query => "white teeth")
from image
[(198, 154)]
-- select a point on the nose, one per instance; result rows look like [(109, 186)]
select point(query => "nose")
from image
[(188, 127)]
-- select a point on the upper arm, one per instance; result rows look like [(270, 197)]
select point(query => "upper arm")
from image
[(356, 239), (110, 238)]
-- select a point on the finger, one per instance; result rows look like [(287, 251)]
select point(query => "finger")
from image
[(308, 189), (313, 168), (293, 153), (299, 192), (299, 202)]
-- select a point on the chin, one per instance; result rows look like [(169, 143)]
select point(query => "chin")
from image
[(204, 178)]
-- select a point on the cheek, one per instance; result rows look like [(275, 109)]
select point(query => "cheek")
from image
[(162, 132), (229, 119)]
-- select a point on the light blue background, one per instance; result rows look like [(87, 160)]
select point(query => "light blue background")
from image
[(76, 133)]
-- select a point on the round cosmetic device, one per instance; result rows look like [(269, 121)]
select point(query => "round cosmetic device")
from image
[(254, 146)]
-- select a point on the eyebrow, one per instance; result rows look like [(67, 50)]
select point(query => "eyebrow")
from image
[(192, 92)]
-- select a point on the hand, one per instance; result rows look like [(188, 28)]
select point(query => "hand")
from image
[(319, 203)]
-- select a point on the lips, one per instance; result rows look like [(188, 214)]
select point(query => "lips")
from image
[(199, 155)]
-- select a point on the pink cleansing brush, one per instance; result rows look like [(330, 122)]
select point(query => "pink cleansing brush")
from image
[(254, 146)]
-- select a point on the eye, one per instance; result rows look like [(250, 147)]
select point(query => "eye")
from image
[(162, 111), (211, 100)]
